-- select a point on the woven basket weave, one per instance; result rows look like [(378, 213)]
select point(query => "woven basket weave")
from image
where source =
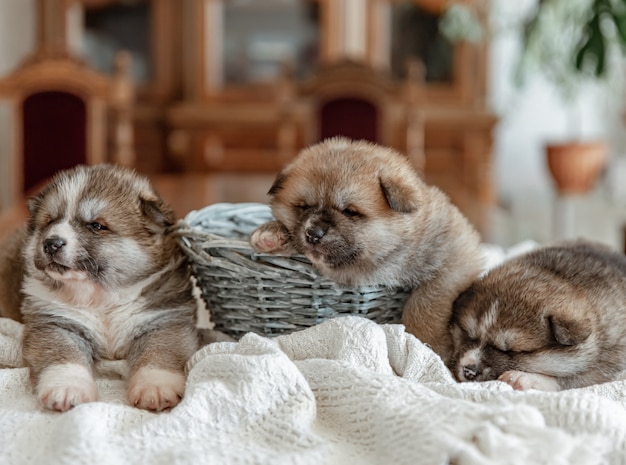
[(268, 294)]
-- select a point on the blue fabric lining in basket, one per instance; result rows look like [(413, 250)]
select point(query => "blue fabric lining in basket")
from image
[(268, 294)]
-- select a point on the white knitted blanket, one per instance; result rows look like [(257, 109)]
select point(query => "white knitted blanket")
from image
[(348, 391), (345, 392)]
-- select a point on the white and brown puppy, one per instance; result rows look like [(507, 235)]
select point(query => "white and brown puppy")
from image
[(554, 318), (97, 274), (363, 216)]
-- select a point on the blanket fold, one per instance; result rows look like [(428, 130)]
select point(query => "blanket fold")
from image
[(345, 391)]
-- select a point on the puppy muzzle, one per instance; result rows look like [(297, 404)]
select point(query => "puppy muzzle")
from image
[(315, 234), (470, 372), (53, 244), (315, 229)]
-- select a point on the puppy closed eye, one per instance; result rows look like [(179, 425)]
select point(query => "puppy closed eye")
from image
[(467, 337), (96, 226), (351, 212), (47, 220), (513, 350), (501, 349)]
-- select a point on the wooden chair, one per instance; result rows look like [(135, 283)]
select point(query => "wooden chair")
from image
[(357, 101), (65, 114)]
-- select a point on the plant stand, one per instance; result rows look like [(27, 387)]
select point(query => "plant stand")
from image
[(575, 169), (564, 216)]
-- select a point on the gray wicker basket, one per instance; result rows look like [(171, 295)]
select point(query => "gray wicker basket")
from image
[(268, 294)]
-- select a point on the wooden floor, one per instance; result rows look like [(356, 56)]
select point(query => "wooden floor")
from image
[(184, 192)]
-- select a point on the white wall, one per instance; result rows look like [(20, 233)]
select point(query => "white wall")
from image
[(17, 39)]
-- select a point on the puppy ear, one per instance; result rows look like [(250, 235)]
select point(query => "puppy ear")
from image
[(35, 201), (462, 301), (278, 184), (33, 204), (569, 332), (399, 194), (158, 212)]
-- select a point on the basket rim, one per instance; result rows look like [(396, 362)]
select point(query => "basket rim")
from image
[(191, 229), (192, 216)]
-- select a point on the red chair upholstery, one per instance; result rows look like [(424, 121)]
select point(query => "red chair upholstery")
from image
[(54, 135), (350, 117)]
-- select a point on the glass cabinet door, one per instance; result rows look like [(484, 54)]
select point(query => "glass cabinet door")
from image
[(261, 36), (119, 26), (415, 35)]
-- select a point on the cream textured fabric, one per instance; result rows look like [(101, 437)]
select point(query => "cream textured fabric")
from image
[(345, 392)]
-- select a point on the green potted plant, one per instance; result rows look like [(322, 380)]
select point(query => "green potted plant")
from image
[(570, 42), (574, 42)]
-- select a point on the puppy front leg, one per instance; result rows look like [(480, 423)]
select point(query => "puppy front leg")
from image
[(60, 363), (273, 238), (523, 381), (157, 361)]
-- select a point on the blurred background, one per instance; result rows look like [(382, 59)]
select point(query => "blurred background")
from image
[(514, 108)]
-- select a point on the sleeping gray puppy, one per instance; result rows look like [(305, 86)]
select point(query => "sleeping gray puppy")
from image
[(554, 318)]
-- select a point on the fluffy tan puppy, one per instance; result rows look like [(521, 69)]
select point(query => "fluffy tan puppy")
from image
[(363, 216), (97, 274), (552, 319)]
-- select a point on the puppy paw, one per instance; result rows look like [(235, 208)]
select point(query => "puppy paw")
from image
[(522, 381), (156, 389), (271, 237), (62, 387)]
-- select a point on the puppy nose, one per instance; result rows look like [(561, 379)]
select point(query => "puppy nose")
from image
[(314, 234), (53, 244), (470, 372)]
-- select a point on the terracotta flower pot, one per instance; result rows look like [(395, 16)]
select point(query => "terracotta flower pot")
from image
[(576, 167)]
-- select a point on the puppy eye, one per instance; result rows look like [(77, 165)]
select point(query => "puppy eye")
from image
[(496, 348), (48, 220), (96, 227), (350, 212), (506, 350), (471, 338), (302, 206)]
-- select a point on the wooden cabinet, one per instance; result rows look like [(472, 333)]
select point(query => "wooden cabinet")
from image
[(152, 32), (434, 110), (239, 85)]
